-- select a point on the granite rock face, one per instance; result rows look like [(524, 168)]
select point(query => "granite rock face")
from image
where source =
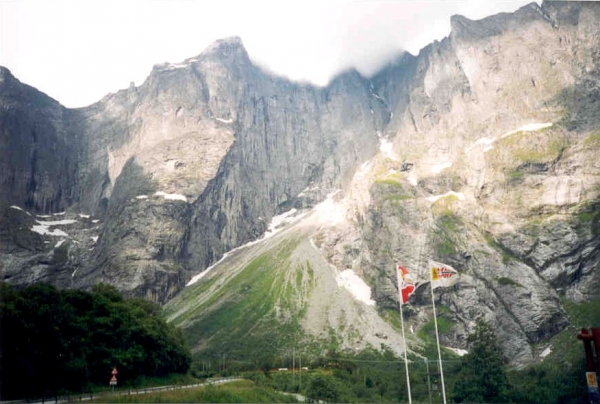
[(480, 152)]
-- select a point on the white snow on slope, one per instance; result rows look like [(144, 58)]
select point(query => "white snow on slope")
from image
[(355, 285), (224, 120), (528, 128), (94, 238), (546, 352), (44, 230), (307, 190), (458, 351), (56, 222), (173, 197), (84, 216), (141, 197), (488, 142), (60, 242), (278, 221), (43, 227), (18, 208), (385, 147), (438, 168), (176, 65), (434, 198), (330, 212)]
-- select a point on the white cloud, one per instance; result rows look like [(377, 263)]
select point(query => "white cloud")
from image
[(78, 51)]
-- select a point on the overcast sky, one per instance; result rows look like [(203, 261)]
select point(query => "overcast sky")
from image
[(78, 51)]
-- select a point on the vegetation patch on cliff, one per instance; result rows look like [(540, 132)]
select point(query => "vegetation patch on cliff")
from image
[(527, 151), (249, 314)]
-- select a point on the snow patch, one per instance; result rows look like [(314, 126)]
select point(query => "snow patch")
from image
[(434, 198), (60, 242), (94, 239), (141, 197), (45, 231), (43, 227), (173, 197), (84, 216), (278, 221), (308, 189), (458, 351), (95, 221), (330, 211), (528, 128), (59, 214), (385, 147), (73, 274), (413, 180), (43, 216), (355, 285), (438, 168), (546, 352), (18, 208), (378, 97), (57, 222), (486, 142), (224, 120)]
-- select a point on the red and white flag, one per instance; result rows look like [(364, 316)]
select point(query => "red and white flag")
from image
[(406, 286), (442, 275)]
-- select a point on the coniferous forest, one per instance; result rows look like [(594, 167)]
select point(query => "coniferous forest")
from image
[(53, 342)]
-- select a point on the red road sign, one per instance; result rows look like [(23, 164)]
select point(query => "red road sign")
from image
[(114, 371)]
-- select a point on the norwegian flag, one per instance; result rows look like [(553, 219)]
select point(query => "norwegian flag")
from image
[(406, 286)]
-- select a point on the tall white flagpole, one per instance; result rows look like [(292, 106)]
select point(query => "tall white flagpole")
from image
[(403, 337), (437, 338)]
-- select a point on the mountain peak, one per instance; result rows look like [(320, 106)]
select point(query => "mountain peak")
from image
[(227, 49), (5, 73), (496, 24)]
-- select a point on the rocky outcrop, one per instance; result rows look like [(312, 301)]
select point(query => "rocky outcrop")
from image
[(493, 172)]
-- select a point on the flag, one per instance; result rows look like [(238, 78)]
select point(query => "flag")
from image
[(406, 286), (442, 275)]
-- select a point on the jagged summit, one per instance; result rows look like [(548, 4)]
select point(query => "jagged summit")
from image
[(5, 73), (229, 51), (464, 27), (224, 45)]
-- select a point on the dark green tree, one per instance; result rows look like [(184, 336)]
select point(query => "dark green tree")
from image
[(59, 341), (324, 388), (482, 378)]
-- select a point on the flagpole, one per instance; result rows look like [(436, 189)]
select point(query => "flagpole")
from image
[(403, 337), (437, 338)]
